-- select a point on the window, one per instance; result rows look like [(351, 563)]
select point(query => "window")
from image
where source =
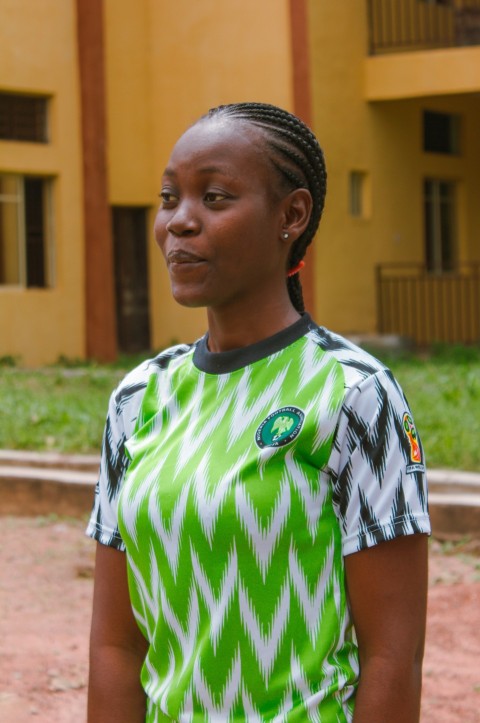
[(25, 231), (441, 132), (359, 194), (439, 203), (23, 118)]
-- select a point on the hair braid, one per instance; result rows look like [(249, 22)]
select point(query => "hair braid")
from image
[(296, 155)]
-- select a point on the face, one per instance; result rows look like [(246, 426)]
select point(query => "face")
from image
[(219, 224)]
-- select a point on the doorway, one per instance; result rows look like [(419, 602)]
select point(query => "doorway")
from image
[(131, 278)]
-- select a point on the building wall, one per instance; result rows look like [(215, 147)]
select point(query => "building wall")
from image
[(344, 245), (38, 55), (383, 140), (167, 64), (129, 102), (419, 74), (399, 166)]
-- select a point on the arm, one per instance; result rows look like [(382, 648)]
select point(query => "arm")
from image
[(117, 647), (387, 587)]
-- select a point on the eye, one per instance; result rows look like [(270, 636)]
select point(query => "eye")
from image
[(168, 198), (215, 197)]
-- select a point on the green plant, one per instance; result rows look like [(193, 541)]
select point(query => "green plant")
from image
[(8, 360), (63, 407)]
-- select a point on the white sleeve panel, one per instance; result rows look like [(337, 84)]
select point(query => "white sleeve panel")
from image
[(377, 466)]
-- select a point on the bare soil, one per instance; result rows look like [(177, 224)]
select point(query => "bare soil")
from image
[(45, 601)]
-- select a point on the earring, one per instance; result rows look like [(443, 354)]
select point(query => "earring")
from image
[(285, 235)]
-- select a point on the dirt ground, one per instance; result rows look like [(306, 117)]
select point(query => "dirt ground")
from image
[(45, 598)]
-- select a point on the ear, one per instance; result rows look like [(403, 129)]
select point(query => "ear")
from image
[(296, 212)]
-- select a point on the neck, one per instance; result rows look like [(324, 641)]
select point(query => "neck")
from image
[(226, 330)]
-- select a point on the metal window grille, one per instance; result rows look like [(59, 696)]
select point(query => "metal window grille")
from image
[(23, 118)]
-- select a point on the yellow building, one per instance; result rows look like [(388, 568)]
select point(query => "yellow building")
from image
[(93, 93), (395, 89)]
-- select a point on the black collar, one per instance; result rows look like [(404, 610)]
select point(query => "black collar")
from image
[(224, 362)]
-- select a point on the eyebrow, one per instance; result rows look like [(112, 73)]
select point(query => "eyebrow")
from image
[(206, 169)]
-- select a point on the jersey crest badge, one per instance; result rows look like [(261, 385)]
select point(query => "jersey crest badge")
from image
[(412, 437), (280, 427)]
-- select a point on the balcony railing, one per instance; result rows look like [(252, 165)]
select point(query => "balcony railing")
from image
[(400, 25), (428, 308)]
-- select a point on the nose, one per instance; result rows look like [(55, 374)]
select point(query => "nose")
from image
[(184, 221)]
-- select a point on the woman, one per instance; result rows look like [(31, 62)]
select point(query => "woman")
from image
[(266, 482)]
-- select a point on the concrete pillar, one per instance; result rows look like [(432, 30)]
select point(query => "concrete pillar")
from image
[(100, 319), (302, 106)]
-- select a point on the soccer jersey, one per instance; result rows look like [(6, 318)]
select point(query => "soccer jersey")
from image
[(237, 482)]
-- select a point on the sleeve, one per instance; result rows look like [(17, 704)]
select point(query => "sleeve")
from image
[(377, 466), (123, 411)]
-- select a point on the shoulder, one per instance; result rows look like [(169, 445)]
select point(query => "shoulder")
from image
[(134, 383), (371, 394), (358, 366), (127, 397)]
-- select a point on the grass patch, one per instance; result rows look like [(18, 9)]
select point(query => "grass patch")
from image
[(54, 409), (63, 407), (443, 389)]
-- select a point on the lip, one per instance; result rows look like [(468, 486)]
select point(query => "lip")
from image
[(180, 256)]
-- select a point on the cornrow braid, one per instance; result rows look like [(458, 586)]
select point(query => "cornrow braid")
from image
[(297, 157)]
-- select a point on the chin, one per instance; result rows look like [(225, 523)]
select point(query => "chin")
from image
[(189, 298), (202, 296)]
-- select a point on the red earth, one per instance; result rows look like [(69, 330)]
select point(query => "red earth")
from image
[(45, 601)]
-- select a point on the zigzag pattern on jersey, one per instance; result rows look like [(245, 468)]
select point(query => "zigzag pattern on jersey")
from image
[(241, 577), (235, 552), (369, 430), (124, 407)]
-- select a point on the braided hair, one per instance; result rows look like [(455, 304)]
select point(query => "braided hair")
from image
[(296, 155)]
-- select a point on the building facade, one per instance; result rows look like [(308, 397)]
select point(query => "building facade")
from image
[(93, 93), (395, 92)]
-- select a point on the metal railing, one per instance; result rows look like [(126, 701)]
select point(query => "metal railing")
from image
[(400, 25), (427, 308)]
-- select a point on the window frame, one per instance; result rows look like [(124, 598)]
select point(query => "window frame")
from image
[(454, 132), (20, 231), (435, 243), (359, 194)]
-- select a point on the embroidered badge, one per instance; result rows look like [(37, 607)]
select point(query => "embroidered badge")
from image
[(415, 451), (280, 427)]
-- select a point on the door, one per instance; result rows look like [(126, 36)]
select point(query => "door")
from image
[(131, 278)]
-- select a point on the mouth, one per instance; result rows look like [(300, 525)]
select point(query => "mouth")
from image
[(181, 257)]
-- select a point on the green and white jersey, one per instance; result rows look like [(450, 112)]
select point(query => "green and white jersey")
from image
[(237, 482)]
